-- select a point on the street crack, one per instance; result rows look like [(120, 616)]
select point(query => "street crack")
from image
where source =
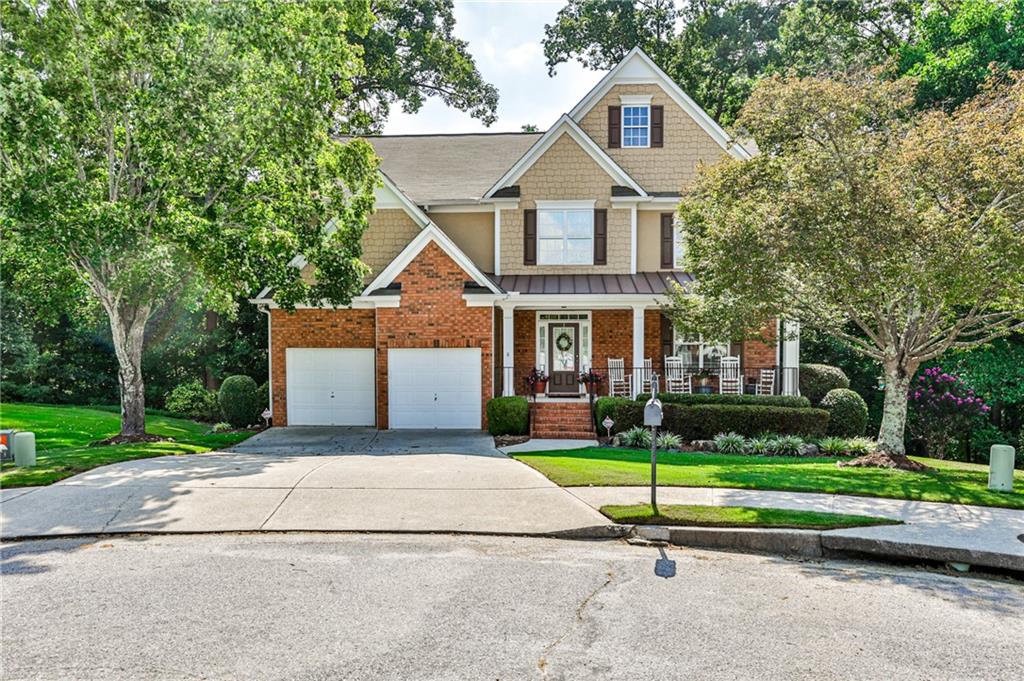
[(542, 662)]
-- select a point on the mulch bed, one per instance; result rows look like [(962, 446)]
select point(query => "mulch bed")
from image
[(509, 440), (129, 439), (881, 459)]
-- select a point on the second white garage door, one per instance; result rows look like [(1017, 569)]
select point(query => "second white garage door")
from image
[(434, 388)]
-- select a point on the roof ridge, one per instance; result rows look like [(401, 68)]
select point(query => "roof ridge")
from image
[(446, 134)]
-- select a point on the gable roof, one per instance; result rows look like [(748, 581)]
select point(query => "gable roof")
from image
[(565, 126), (637, 67), (437, 169), (430, 233)]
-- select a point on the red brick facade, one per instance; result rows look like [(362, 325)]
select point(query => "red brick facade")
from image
[(312, 329), (433, 315)]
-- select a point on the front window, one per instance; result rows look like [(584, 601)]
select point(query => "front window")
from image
[(565, 237), (679, 245), (636, 121), (698, 354)]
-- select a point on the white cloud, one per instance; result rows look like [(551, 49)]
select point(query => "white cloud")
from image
[(505, 40)]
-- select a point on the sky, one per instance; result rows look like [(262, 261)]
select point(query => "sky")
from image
[(505, 40)]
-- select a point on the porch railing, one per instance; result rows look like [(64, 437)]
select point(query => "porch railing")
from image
[(703, 379)]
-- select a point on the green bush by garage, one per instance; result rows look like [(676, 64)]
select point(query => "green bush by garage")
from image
[(192, 400), (848, 413), (704, 421), (239, 401), (508, 416)]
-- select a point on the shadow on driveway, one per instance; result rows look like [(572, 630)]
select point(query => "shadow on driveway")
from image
[(332, 440)]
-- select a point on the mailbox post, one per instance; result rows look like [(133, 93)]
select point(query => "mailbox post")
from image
[(652, 418)]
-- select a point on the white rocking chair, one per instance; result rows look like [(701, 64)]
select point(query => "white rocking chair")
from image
[(729, 380), (645, 375), (619, 384), (766, 382), (676, 380)]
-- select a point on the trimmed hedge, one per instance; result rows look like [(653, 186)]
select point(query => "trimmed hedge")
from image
[(848, 413), (817, 379), (793, 401), (192, 400), (239, 401), (508, 416), (606, 406), (704, 421)]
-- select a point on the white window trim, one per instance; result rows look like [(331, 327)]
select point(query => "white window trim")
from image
[(622, 127), (635, 100), (565, 206), (701, 344), (585, 320)]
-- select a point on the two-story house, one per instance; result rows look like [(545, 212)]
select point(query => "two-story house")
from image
[(493, 254)]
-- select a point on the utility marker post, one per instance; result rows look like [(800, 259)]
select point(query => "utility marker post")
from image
[(652, 418)]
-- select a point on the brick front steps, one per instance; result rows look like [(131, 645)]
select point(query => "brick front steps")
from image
[(561, 421)]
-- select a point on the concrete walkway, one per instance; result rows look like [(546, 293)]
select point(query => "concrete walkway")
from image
[(972, 534), (224, 492)]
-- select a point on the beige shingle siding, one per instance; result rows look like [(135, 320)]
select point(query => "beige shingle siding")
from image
[(666, 169), (390, 231), (565, 172)]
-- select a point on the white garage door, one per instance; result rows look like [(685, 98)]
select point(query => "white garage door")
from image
[(330, 386), (434, 388)]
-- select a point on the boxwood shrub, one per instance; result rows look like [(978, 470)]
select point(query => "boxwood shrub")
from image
[(192, 400), (817, 379), (508, 416), (239, 401), (848, 413), (704, 421), (762, 400), (606, 406)]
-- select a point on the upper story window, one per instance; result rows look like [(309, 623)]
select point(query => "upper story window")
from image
[(636, 125), (678, 245), (565, 236)]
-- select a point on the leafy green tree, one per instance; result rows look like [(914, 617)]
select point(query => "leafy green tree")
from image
[(165, 150), (860, 210), (410, 53), (955, 45), (996, 372)]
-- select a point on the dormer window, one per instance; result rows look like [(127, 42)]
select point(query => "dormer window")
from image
[(636, 126)]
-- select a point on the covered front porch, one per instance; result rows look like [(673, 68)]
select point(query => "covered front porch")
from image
[(625, 344)]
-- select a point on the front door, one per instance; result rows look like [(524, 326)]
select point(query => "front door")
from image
[(564, 351)]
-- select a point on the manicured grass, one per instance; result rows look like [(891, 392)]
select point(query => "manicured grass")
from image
[(604, 466), (737, 516), (63, 434)]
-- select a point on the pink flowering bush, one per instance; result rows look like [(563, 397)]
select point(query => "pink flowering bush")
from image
[(944, 409)]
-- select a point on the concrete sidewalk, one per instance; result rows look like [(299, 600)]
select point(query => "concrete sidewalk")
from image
[(225, 492), (977, 535)]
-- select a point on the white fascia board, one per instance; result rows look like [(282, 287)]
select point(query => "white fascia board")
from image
[(404, 202), (483, 299), (430, 233), (565, 125), (586, 302), (659, 203), (635, 68), (635, 100), (357, 303)]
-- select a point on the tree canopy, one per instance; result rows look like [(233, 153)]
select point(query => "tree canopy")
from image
[(862, 210)]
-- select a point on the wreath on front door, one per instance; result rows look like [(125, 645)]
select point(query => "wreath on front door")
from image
[(563, 342)]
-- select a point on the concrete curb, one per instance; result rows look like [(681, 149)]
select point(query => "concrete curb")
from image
[(818, 544)]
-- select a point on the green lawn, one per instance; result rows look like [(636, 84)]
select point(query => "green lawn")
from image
[(63, 434), (603, 466), (737, 516)]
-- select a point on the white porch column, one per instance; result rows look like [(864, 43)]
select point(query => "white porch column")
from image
[(790, 364), (507, 350), (638, 346)]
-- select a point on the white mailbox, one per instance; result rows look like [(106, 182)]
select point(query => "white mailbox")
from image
[(652, 412)]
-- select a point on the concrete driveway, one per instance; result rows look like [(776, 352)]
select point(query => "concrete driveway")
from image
[(303, 479)]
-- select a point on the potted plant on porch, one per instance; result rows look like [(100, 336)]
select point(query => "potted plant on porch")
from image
[(536, 381), (591, 380), (703, 379)]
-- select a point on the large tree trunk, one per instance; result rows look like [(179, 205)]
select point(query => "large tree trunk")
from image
[(891, 452), (128, 331)]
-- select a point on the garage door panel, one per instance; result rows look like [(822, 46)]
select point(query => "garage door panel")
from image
[(434, 388), (330, 386)]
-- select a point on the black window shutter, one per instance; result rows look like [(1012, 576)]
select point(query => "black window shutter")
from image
[(668, 260), (600, 236), (530, 237), (657, 126), (666, 340), (614, 127)]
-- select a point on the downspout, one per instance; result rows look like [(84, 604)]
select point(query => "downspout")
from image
[(262, 307)]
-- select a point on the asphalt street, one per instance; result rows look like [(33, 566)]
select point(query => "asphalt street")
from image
[(318, 606)]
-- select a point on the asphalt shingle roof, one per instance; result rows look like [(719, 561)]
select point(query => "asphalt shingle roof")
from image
[(433, 169)]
